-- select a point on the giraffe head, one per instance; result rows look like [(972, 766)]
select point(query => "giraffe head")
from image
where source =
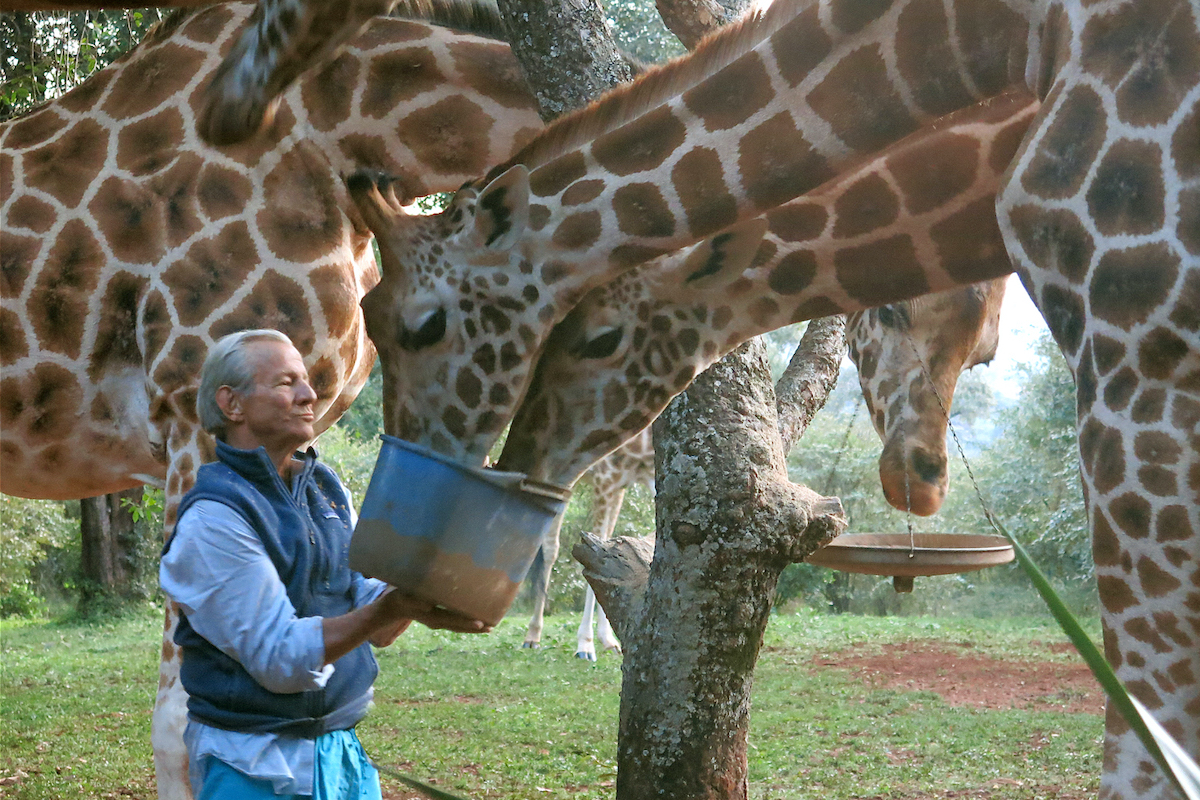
[(456, 314), (909, 356)]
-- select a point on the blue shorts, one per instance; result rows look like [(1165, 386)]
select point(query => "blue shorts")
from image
[(341, 771)]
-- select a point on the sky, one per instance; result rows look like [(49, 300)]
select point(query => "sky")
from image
[(1020, 326)]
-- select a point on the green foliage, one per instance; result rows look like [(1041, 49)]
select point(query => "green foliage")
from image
[(33, 535), (364, 418), (48, 53), (640, 32)]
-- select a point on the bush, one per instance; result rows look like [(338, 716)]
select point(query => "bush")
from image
[(39, 540)]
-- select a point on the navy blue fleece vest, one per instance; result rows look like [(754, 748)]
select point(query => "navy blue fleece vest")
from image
[(306, 532)]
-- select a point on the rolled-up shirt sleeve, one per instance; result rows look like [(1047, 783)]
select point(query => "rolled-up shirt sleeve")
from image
[(219, 573)]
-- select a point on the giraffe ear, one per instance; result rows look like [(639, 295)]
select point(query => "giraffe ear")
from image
[(722, 259), (502, 210)]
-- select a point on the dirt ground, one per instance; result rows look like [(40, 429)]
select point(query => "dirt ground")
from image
[(962, 677)]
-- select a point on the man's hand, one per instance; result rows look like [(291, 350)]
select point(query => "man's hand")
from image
[(382, 637), (396, 606)]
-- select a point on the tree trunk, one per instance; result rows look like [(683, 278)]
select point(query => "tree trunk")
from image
[(728, 521), (108, 566), (566, 51)]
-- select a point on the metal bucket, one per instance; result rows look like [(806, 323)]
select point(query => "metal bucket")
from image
[(460, 537)]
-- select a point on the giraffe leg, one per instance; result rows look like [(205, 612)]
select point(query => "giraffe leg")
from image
[(170, 704), (585, 645), (539, 583), (604, 632), (170, 718)]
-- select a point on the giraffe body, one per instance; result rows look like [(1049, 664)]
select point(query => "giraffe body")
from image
[(1098, 212), (128, 246)]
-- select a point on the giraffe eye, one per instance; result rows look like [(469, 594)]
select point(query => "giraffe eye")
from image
[(602, 346), (893, 316), (432, 331)]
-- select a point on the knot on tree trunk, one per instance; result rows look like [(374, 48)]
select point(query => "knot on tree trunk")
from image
[(617, 570)]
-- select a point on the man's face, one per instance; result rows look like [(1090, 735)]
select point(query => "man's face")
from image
[(277, 412)]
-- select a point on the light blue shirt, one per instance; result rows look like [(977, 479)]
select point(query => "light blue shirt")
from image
[(219, 573)]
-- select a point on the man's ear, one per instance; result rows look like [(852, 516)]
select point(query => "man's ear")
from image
[(230, 405)]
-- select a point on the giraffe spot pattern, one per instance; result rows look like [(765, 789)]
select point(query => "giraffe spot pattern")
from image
[(1129, 285), (867, 204), (300, 220), (58, 304), (799, 46), (84, 97), (491, 70), (1155, 581), (1069, 148), (1120, 389), (992, 41), (699, 183), (65, 168), (328, 96), (116, 333), (1173, 525), (794, 222), (130, 219), (396, 77), (31, 214), (181, 366), (1160, 353), (859, 102), (642, 210), (156, 322), (211, 271), (554, 177), (640, 145), (581, 192), (859, 274), (1128, 195), (794, 273), (147, 145), (1150, 406), (175, 190), (1054, 239), (578, 231), (1132, 513), (1106, 461), (777, 163), (222, 192), (324, 377), (33, 129), (151, 81), (928, 182), (448, 136), (202, 28), (276, 301), (1117, 597), (335, 290), (1149, 53), (1108, 353), (1158, 481), (733, 95), (851, 16), (17, 254), (1188, 229), (44, 405), (922, 51), (13, 345), (814, 308), (1106, 547), (1184, 151), (1064, 314)]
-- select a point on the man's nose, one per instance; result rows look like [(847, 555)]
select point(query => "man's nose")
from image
[(305, 393)]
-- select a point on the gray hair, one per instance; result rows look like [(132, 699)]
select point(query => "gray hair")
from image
[(228, 365)]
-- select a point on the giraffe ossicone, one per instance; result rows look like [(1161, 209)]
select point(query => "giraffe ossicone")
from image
[(1098, 212)]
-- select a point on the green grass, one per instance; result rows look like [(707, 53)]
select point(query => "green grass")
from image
[(483, 718)]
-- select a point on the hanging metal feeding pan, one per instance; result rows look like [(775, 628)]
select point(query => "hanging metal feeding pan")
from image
[(905, 556)]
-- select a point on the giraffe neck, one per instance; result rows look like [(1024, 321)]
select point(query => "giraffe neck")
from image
[(921, 213), (128, 245)]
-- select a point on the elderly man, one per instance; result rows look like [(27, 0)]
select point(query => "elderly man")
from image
[(275, 627)]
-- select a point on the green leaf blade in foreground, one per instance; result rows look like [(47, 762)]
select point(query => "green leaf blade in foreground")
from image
[(1173, 759)]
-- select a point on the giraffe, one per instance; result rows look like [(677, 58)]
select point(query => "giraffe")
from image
[(127, 246), (1097, 211), (582, 377)]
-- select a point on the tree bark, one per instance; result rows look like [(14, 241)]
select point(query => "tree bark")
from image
[(692, 20), (811, 374), (728, 521), (566, 51), (109, 543)]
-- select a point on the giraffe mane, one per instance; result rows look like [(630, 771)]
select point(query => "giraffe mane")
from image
[(656, 86), (478, 17)]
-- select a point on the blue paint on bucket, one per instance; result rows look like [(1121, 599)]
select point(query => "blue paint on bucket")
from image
[(421, 506)]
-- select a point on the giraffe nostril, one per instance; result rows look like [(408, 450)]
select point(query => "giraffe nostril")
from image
[(929, 467)]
